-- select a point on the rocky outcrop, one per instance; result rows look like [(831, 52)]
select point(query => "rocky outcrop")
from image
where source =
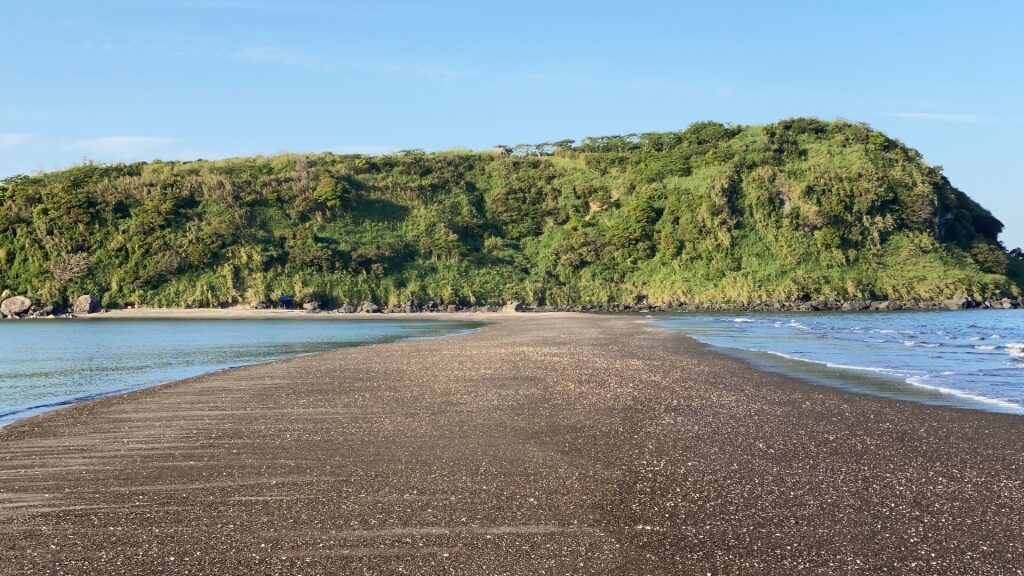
[(311, 306), (368, 308), (44, 312), (347, 309), (86, 304), (961, 303), (514, 306), (15, 307)]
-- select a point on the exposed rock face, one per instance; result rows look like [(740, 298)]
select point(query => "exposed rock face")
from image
[(513, 307), (86, 304), (43, 312), (368, 308), (347, 309), (311, 306), (15, 306), (959, 303)]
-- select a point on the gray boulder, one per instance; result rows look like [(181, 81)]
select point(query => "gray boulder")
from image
[(43, 312), (368, 308), (86, 304), (311, 306), (513, 306), (958, 303), (347, 309), (15, 306)]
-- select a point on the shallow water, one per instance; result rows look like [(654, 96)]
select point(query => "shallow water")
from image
[(51, 363), (967, 359)]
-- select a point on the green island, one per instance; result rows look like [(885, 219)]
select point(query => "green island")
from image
[(715, 214)]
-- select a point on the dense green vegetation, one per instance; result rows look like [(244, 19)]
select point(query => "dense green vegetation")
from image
[(795, 210)]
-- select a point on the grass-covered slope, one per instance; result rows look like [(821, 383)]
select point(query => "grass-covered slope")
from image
[(713, 214)]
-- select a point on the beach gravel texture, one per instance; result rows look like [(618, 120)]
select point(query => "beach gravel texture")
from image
[(540, 444)]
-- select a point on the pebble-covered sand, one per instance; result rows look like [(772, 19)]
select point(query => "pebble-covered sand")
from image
[(541, 444)]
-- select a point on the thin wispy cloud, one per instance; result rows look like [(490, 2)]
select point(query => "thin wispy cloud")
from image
[(249, 5), (13, 139), (439, 73), (123, 146), (281, 55), (300, 58), (938, 117)]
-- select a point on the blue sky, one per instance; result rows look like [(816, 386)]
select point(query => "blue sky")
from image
[(178, 79)]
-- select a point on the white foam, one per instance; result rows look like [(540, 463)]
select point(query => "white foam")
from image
[(931, 345), (891, 371), (985, 347), (918, 381), (742, 320), (909, 342)]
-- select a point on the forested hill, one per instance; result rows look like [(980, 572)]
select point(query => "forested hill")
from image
[(801, 209)]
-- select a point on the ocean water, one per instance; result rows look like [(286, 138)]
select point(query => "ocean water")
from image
[(46, 364), (966, 359)]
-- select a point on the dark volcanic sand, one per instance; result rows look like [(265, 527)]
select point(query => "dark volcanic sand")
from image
[(543, 444)]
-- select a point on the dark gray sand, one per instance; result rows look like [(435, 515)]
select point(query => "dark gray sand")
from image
[(539, 445)]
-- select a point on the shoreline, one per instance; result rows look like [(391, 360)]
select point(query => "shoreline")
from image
[(645, 451), (963, 303), (214, 314), (482, 319)]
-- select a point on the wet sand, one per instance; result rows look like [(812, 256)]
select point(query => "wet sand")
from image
[(541, 444)]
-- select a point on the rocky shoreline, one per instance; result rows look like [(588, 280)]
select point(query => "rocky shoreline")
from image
[(17, 307)]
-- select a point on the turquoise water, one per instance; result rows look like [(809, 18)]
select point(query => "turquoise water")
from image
[(52, 363), (966, 359)]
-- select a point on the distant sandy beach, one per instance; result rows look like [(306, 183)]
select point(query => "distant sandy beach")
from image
[(541, 443), (250, 313)]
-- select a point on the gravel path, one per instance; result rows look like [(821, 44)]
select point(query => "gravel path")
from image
[(541, 444)]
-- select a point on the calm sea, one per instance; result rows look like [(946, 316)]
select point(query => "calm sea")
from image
[(51, 363), (967, 359)]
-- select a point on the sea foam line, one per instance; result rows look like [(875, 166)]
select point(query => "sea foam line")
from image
[(918, 382), (891, 371)]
